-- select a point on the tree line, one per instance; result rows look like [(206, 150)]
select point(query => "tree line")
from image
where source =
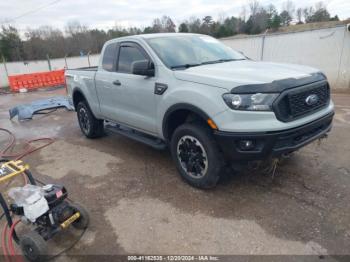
[(77, 39)]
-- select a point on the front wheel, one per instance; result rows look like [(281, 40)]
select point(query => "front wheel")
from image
[(196, 155), (34, 247)]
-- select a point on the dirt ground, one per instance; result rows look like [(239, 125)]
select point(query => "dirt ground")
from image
[(139, 205)]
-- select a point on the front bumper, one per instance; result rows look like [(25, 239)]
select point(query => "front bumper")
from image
[(272, 144)]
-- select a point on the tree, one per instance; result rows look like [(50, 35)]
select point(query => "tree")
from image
[(275, 22), (163, 25), (287, 12), (207, 25), (183, 28), (44, 41), (258, 20), (271, 10), (289, 7), (148, 30), (336, 18), (299, 14), (11, 45), (285, 18), (308, 12), (254, 7), (230, 26), (318, 14), (208, 20), (194, 24)]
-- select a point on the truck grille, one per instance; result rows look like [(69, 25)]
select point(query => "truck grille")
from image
[(294, 103)]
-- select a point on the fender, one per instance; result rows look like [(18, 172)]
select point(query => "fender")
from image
[(181, 106), (78, 90)]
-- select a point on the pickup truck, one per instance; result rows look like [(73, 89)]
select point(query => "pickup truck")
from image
[(209, 104)]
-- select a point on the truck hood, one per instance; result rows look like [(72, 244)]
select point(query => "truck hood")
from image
[(250, 76)]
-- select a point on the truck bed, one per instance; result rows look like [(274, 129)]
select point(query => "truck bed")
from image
[(89, 68)]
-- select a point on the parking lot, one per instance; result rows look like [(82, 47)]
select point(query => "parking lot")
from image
[(139, 205)]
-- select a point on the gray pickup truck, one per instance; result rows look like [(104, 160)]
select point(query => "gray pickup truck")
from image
[(209, 104)]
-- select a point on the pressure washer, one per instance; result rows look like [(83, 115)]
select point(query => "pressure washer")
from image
[(46, 208)]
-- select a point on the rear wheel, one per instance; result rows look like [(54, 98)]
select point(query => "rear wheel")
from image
[(89, 125), (83, 221), (196, 155)]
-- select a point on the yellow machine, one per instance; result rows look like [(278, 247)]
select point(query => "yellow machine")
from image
[(46, 207)]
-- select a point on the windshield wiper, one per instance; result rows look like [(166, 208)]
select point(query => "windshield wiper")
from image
[(184, 66), (206, 63), (221, 61)]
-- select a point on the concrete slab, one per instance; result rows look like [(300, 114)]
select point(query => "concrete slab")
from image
[(138, 203)]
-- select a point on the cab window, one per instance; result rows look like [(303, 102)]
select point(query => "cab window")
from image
[(128, 54), (109, 55)]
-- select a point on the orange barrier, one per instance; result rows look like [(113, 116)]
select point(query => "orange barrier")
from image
[(37, 80)]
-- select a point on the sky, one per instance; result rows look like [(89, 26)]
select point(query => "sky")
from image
[(106, 14)]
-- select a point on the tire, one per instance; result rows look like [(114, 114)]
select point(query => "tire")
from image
[(83, 221), (196, 155), (89, 124), (34, 247)]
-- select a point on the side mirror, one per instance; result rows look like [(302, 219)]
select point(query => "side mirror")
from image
[(143, 68)]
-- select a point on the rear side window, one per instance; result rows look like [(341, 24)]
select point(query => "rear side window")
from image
[(128, 54), (108, 62)]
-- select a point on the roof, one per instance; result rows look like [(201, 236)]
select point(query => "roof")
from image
[(165, 35), (148, 36)]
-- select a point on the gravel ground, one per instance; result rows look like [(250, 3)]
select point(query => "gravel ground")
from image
[(139, 205)]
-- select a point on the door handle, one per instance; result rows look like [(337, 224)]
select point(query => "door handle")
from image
[(117, 83)]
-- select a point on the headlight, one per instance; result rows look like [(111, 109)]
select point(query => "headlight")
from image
[(250, 102)]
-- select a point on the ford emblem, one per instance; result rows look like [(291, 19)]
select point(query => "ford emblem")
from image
[(311, 100)]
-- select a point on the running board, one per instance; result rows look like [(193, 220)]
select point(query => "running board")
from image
[(136, 135)]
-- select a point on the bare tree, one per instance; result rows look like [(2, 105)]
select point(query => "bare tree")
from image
[(299, 14), (254, 7), (243, 14), (163, 24), (74, 27), (289, 6)]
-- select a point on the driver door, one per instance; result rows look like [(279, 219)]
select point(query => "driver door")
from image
[(137, 106)]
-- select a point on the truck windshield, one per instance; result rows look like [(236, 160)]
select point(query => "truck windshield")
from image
[(184, 51)]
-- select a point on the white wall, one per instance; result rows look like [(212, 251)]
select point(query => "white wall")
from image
[(15, 68), (326, 49)]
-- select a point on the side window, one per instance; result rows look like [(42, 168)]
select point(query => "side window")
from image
[(128, 54), (108, 62)]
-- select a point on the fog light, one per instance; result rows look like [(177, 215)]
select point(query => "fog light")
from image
[(246, 144)]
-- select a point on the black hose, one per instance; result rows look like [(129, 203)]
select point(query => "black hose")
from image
[(30, 177)]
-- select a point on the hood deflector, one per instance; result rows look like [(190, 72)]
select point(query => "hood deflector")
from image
[(278, 86)]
